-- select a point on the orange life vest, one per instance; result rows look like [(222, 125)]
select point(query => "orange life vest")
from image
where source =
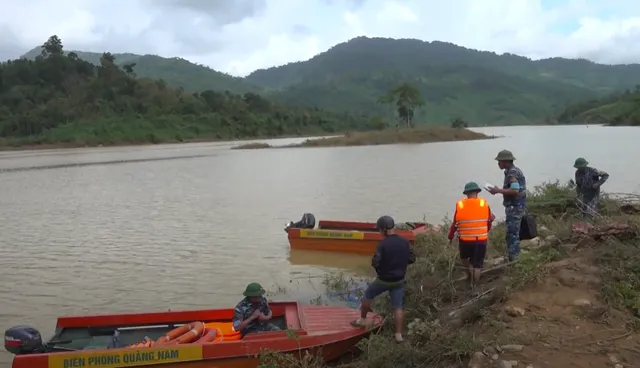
[(472, 219)]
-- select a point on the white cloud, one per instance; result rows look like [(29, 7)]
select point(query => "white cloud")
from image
[(394, 11), (238, 36)]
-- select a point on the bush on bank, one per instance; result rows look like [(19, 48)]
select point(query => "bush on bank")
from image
[(435, 283)]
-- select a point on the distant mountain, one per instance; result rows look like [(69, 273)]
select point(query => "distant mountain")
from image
[(378, 55), (62, 100), (480, 87), (477, 95), (615, 109), (176, 72)]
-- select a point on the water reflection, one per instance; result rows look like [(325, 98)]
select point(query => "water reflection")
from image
[(358, 264), (146, 236)]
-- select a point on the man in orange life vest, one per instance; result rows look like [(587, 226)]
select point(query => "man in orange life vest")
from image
[(472, 221)]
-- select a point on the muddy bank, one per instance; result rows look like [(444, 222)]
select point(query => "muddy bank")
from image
[(389, 136)]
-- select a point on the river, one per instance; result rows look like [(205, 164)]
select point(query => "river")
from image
[(149, 228)]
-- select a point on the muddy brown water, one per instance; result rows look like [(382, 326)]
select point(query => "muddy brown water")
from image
[(131, 229)]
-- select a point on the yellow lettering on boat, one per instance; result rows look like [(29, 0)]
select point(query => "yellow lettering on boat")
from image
[(126, 357), (332, 234)]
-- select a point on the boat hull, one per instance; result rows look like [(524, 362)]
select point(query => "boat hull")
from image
[(328, 353), (345, 236), (321, 330)]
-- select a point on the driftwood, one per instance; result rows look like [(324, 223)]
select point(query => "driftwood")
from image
[(619, 230), (470, 310), (630, 209)]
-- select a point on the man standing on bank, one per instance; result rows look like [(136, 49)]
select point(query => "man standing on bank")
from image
[(588, 182), (514, 193), (390, 261), (472, 221)]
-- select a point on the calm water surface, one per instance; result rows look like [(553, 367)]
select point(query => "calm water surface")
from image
[(188, 226)]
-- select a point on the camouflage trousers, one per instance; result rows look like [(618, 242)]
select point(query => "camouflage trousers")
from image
[(589, 205), (514, 220)]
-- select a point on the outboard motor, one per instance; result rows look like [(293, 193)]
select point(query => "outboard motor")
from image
[(23, 340), (308, 221)]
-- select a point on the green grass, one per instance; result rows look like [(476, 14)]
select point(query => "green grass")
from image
[(396, 136), (433, 287)]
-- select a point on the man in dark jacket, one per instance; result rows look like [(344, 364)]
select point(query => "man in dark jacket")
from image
[(390, 261), (588, 183)]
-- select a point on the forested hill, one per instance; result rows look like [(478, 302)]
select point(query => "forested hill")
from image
[(615, 109), (58, 98), (377, 56), (478, 86), (176, 72)]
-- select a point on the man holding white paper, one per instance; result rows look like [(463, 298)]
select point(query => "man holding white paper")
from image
[(514, 193)]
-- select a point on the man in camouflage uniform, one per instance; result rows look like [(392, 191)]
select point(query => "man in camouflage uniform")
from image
[(588, 182), (253, 313), (514, 193)]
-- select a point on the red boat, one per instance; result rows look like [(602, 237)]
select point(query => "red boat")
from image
[(133, 340), (344, 236)]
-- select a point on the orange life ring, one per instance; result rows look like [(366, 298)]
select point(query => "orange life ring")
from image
[(229, 333), (183, 335), (211, 335)]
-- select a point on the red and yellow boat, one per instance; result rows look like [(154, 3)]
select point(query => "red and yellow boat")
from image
[(344, 236), (186, 339)]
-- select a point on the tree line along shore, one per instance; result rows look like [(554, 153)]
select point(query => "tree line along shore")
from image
[(58, 99)]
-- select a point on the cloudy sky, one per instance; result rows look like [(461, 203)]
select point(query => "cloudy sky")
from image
[(239, 36)]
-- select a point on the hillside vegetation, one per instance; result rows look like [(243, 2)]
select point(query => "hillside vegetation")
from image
[(58, 98), (615, 109), (480, 87), (477, 86), (405, 136), (176, 72), (375, 55), (571, 300)]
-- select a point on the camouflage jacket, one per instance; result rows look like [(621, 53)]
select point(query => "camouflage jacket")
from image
[(245, 309), (513, 174), (586, 180)]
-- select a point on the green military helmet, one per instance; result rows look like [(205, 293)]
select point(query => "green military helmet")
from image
[(505, 155), (471, 187), (580, 163), (254, 289)]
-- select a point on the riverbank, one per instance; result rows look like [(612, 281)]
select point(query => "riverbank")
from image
[(572, 297), (383, 137), (29, 144)]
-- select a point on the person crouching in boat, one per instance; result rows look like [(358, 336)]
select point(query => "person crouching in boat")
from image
[(390, 261), (472, 221), (253, 313)]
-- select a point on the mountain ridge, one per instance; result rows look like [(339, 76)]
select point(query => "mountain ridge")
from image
[(482, 87), (373, 48), (200, 78)]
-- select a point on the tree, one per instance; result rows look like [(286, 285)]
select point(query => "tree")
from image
[(67, 99), (107, 60), (128, 68), (406, 98), (458, 123), (53, 46)]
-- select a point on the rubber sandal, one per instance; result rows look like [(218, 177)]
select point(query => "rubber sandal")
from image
[(358, 324)]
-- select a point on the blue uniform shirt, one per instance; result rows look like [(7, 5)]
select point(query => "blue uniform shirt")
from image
[(514, 179)]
